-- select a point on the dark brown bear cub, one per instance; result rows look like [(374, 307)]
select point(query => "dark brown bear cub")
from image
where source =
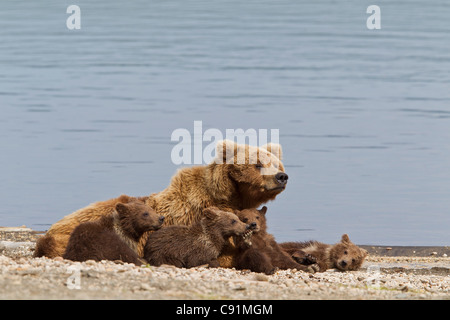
[(199, 244), (113, 237), (344, 255), (260, 252)]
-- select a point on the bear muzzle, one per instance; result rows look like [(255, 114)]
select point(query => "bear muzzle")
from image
[(159, 223), (281, 178), (277, 183)]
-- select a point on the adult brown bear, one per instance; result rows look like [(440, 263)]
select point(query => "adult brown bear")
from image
[(240, 177)]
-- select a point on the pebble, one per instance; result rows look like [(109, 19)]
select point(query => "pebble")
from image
[(145, 286), (261, 277), (24, 277), (404, 288)]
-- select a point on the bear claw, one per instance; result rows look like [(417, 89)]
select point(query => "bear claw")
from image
[(313, 268)]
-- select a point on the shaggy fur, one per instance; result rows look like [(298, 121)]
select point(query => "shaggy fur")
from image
[(54, 243), (344, 255), (228, 186), (113, 237), (261, 253), (199, 244)]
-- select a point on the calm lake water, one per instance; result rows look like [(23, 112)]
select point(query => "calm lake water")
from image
[(364, 115)]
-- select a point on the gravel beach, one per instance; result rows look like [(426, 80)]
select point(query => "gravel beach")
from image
[(25, 277)]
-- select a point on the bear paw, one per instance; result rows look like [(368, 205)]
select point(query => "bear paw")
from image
[(304, 258), (313, 268), (271, 271), (309, 259)]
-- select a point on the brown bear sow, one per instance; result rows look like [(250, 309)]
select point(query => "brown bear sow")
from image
[(344, 255), (258, 251), (199, 244), (240, 177), (113, 237)]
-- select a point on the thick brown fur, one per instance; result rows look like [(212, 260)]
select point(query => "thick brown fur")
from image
[(46, 246), (54, 242), (199, 244), (113, 237), (344, 255), (228, 186), (261, 253)]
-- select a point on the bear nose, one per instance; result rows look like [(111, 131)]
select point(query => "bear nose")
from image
[(253, 225), (343, 263), (281, 178), (161, 219)]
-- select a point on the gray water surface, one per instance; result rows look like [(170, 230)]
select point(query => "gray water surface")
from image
[(364, 115)]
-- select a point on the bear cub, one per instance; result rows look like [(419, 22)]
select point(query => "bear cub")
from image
[(258, 251), (199, 244), (113, 237), (344, 255)]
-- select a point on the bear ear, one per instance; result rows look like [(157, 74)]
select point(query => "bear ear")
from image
[(275, 149), (345, 238), (211, 212), (225, 149), (263, 210), (121, 208)]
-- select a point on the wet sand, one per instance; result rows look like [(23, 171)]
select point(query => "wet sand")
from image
[(407, 251)]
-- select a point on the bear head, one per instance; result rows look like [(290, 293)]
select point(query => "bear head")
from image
[(256, 173), (254, 217), (224, 222), (136, 217), (345, 255)]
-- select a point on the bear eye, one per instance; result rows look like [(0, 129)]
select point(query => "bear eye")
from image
[(353, 260), (233, 221), (345, 252), (257, 217), (245, 220), (145, 214), (258, 166)]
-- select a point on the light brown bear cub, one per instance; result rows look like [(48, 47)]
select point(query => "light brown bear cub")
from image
[(259, 252), (199, 244), (344, 255), (113, 237)]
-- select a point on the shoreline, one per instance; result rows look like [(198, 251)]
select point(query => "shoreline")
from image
[(382, 277), (22, 233), (407, 251)]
